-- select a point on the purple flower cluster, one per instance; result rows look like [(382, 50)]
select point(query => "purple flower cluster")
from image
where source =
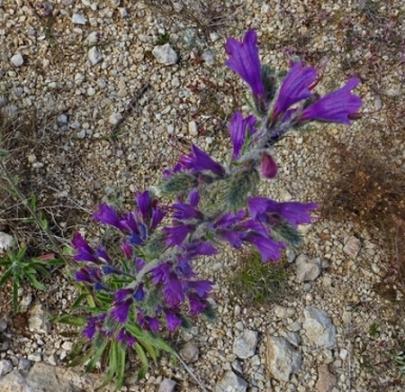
[(151, 280), (339, 106)]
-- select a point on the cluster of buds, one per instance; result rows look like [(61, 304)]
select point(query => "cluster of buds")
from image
[(149, 279)]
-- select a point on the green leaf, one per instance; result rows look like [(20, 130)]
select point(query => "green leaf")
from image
[(3, 153), (77, 321), (97, 350), (177, 183), (35, 283), (144, 360), (6, 275), (16, 285)]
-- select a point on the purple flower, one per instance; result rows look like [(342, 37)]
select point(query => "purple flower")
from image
[(295, 213), (201, 287), (127, 249), (121, 309), (194, 198), (268, 166), (198, 160), (107, 215), (90, 329), (157, 216), (139, 264), (144, 203), (244, 60), (83, 251), (122, 294), (173, 291), (200, 248), (175, 235), (338, 106), (173, 321), (267, 247), (88, 275), (196, 304), (139, 294), (126, 338), (295, 87), (154, 324), (183, 211), (239, 128), (160, 274)]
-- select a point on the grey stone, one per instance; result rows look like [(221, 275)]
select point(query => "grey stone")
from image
[(25, 302), (5, 367), (208, 57), (13, 382), (231, 382), (24, 364), (167, 385), (307, 270), (94, 55), (319, 328), (93, 38), (6, 242), (115, 118), (352, 246), (189, 352), (165, 54), (79, 19), (38, 320), (245, 344), (3, 324), (62, 119), (282, 358), (17, 60), (326, 380)]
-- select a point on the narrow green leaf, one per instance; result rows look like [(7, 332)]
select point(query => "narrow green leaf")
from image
[(144, 360), (77, 321), (6, 275)]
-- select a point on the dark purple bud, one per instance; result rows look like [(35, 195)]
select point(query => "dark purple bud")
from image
[(268, 166)]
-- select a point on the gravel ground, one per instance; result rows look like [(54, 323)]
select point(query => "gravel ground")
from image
[(110, 113)]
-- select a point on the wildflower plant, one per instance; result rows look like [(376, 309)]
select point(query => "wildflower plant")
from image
[(149, 287)]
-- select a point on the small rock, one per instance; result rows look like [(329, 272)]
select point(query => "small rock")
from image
[(67, 346), (35, 357), (167, 385), (5, 367), (165, 54), (13, 382), (208, 57), (79, 19), (352, 246), (283, 312), (319, 328), (3, 325), (326, 380), (38, 320), (62, 119), (115, 118), (6, 242), (307, 270), (17, 60), (245, 344), (93, 38), (25, 302), (291, 255), (282, 358), (231, 383), (189, 352), (343, 354), (24, 364), (293, 338), (192, 128), (94, 55)]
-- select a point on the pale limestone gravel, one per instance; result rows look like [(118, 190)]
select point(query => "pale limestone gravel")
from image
[(111, 142)]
